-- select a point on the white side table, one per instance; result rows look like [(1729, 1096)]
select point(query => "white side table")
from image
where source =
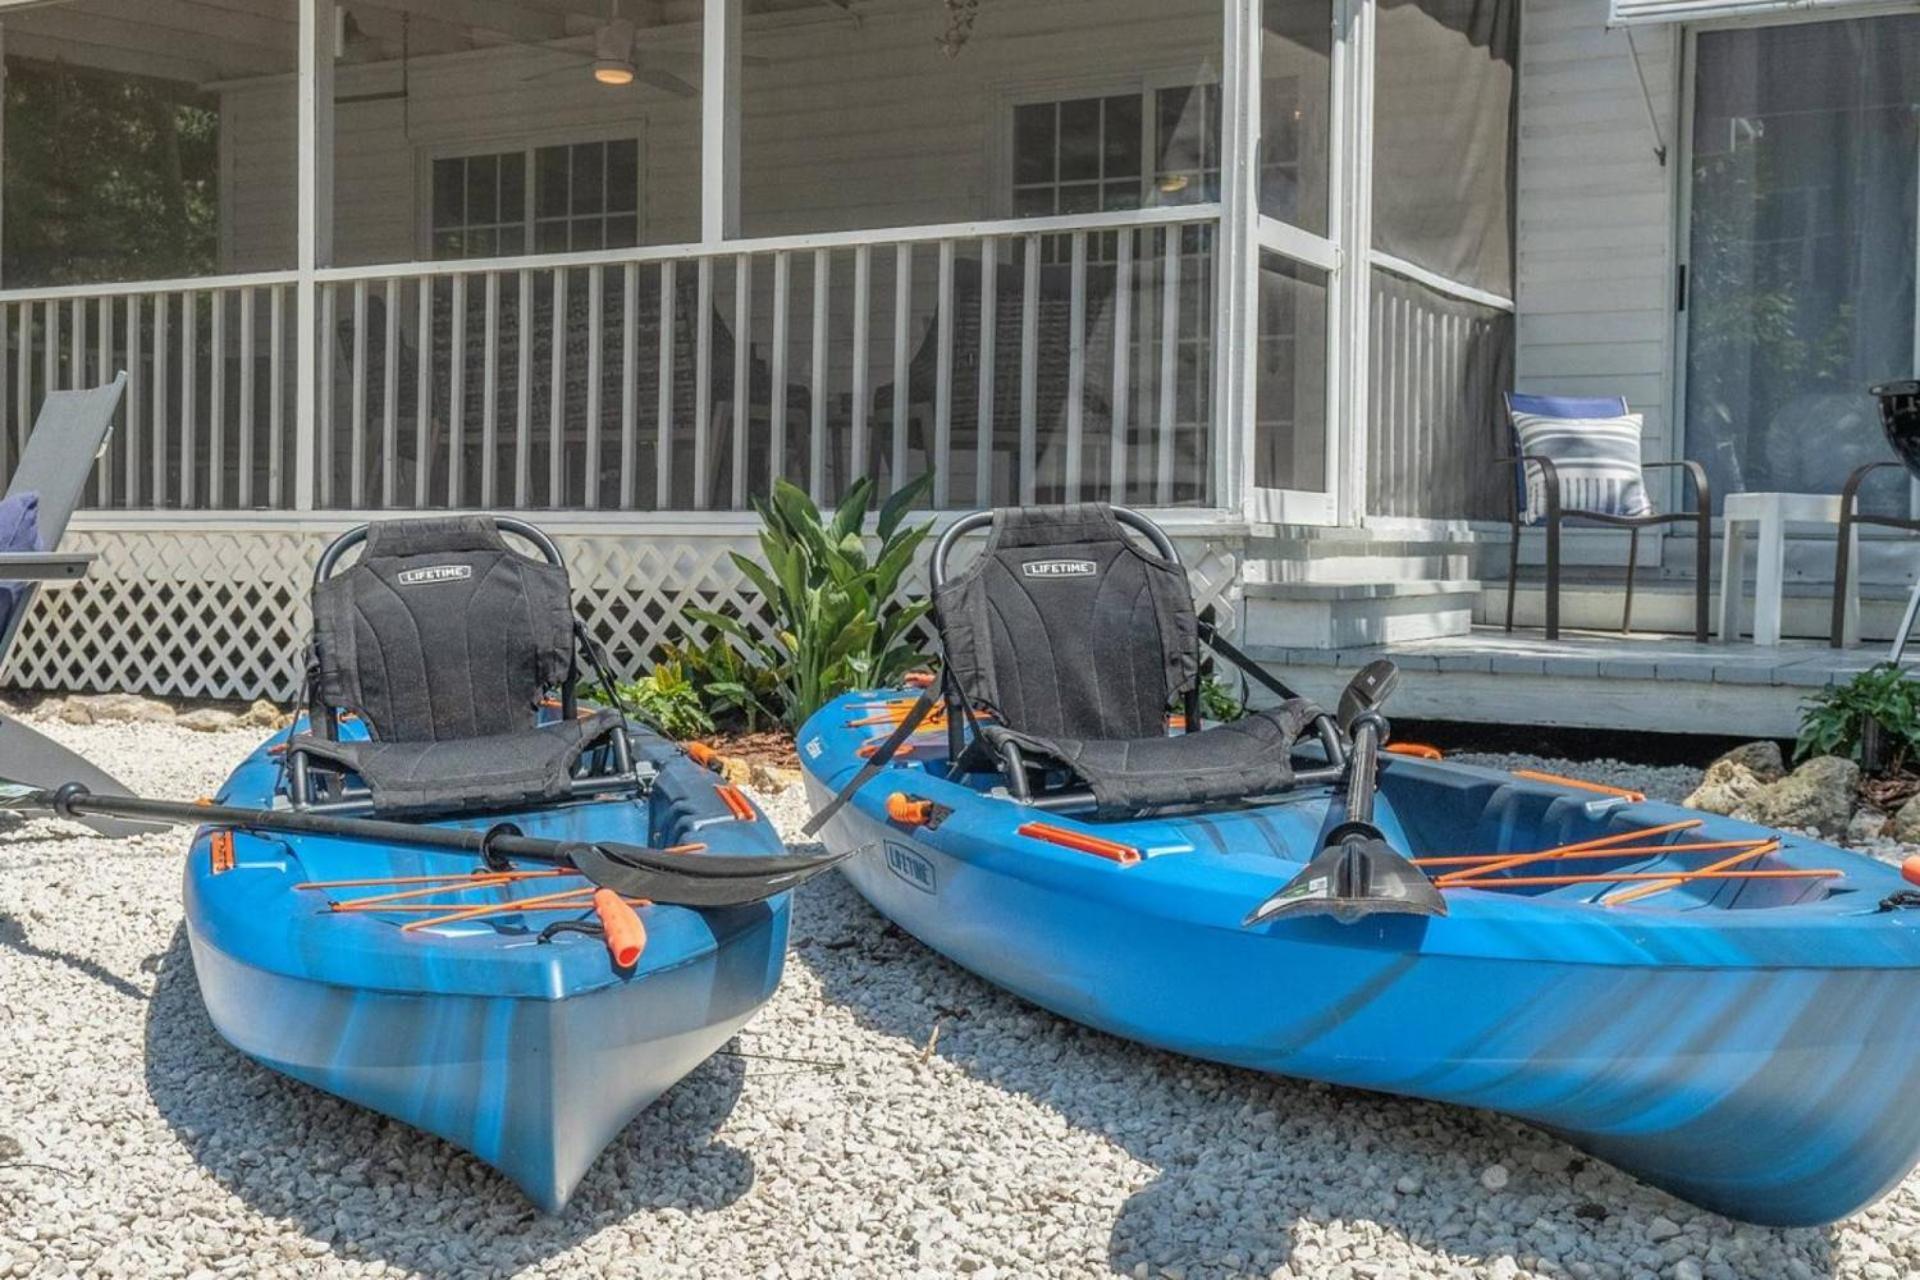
[(1770, 513)]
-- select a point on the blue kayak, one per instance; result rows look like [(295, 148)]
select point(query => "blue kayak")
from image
[(530, 1053), (1742, 1040)]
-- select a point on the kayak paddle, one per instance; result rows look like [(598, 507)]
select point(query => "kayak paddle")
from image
[(1357, 872)]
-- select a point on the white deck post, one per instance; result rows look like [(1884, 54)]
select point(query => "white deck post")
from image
[(1236, 257), (1347, 424), (315, 196), (720, 122)]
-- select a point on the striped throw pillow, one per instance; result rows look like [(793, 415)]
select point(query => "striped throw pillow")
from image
[(1598, 461)]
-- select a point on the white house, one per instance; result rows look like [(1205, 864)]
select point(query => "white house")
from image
[(1263, 269)]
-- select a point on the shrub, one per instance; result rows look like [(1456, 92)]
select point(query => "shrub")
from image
[(837, 623), (1836, 720), (667, 697), (1217, 702)]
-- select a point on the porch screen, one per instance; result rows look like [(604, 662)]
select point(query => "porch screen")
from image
[(1441, 350), (1443, 137), (1801, 249)]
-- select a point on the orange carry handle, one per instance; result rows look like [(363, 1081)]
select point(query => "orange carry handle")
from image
[(908, 811), (1418, 750), (220, 851), (1910, 869), (626, 936), (702, 754), (1081, 842), (737, 804)]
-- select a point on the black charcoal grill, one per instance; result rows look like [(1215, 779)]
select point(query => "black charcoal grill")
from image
[(1900, 419)]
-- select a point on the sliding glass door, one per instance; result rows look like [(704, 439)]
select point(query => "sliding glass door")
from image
[(1800, 249)]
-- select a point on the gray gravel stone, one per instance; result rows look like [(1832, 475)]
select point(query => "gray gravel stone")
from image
[(1019, 1146)]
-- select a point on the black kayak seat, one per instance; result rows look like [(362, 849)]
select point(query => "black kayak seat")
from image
[(1079, 640), (445, 642)]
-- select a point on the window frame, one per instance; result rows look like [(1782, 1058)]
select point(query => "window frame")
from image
[(527, 143), (1147, 86)]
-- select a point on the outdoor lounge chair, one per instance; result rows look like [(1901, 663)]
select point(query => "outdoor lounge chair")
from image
[(445, 643), (69, 434), (1572, 410)]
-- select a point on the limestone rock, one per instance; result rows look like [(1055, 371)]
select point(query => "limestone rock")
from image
[(1819, 794), (264, 715), (773, 779), (1728, 787), (1906, 822), (1869, 825), (113, 708), (737, 771), (1762, 759), (208, 720)]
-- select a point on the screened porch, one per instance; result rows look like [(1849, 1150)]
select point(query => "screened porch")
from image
[(613, 255)]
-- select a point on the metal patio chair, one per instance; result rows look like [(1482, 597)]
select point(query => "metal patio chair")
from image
[(1579, 407)]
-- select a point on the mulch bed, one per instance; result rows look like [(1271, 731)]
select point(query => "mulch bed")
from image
[(768, 747)]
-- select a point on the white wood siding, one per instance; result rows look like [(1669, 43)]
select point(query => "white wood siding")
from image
[(1596, 217)]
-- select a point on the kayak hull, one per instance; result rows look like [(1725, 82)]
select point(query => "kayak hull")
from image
[(531, 1055), (1702, 1060)]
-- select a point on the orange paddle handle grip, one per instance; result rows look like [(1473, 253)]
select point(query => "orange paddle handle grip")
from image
[(626, 936), (1910, 869)]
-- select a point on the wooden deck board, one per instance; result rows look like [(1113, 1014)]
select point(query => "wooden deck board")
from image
[(1660, 683)]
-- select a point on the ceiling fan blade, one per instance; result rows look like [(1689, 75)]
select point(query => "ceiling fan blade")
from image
[(570, 68), (665, 81)]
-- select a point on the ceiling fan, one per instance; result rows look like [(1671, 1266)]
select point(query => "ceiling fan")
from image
[(617, 63)]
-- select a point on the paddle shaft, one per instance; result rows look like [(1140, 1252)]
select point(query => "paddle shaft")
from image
[(75, 802)]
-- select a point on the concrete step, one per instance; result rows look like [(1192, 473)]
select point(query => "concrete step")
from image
[(1343, 614)]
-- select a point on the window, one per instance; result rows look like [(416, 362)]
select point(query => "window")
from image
[(1801, 264), (1089, 155), (584, 195)]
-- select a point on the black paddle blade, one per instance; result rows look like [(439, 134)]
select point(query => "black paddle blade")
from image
[(693, 880), (1357, 874)]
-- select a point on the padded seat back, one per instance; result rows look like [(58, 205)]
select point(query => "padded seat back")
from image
[(441, 630), (1067, 627)]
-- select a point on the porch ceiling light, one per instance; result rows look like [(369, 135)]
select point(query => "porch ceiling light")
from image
[(613, 53)]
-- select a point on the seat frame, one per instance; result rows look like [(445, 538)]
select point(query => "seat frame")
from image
[(1015, 767), (603, 768)]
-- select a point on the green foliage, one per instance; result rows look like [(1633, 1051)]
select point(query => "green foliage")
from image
[(667, 697), (837, 623), (731, 686), (1217, 702), (108, 177), (1836, 717)]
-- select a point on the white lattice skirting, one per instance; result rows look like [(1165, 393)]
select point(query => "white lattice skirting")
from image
[(222, 612)]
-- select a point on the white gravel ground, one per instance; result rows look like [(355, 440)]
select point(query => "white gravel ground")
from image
[(887, 1115)]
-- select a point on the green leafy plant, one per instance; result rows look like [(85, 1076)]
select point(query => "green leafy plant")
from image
[(1836, 721), (1217, 702), (838, 624), (731, 686), (668, 698)]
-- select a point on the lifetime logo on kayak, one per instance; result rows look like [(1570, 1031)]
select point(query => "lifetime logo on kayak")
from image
[(435, 573), (1059, 569)]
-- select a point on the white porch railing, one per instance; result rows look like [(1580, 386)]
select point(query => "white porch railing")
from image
[(1034, 360), (207, 418), (1030, 360)]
